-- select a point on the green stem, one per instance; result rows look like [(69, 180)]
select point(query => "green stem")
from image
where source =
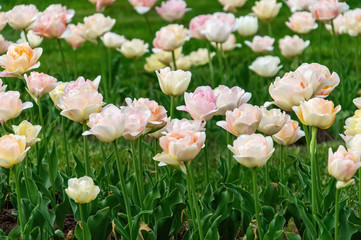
[(65, 144), (82, 209), (135, 163), (75, 64), (65, 69), (283, 166), (269, 26), (314, 170), (307, 136), (359, 186), (156, 167), (18, 200), (104, 71), (337, 46), (171, 107), (190, 182), (26, 37), (210, 64), (266, 174), (148, 24), (206, 161), (86, 152), (109, 80), (256, 203), (140, 166), (357, 59), (24, 165), (174, 60), (124, 189), (229, 153), (337, 212)]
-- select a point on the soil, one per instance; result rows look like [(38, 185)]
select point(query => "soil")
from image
[(7, 220), (69, 224)]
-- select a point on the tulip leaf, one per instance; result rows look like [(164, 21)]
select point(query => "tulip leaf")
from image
[(14, 234), (79, 167), (346, 228), (324, 233), (60, 213), (99, 224), (79, 231), (275, 228), (292, 236), (121, 229)]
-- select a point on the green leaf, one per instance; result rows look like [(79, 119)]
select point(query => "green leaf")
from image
[(99, 224), (79, 232), (292, 236), (346, 228), (14, 234), (60, 213), (79, 167), (275, 229), (121, 229), (54, 163)]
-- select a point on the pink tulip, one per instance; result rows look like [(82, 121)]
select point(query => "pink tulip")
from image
[(261, 44), (142, 6), (4, 45), (272, 121), (289, 134), (292, 46), (12, 150), (339, 24), (301, 22), (108, 125), (326, 10), (22, 16), (219, 27), (196, 26), (3, 20), (185, 125), (172, 10), (20, 58), (100, 4), (96, 25), (230, 98), (76, 39), (351, 22), (52, 22), (11, 106), (2, 87), (242, 120), (171, 37), (201, 104), (39, 84), (82, 85), (136, 121)]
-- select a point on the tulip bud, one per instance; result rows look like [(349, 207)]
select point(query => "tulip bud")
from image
[(247, 25)]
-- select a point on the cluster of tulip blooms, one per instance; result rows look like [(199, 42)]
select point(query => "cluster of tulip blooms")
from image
[(256, 128)]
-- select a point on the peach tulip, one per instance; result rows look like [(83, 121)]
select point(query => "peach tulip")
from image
[(301, 22), (52, 22), (298, 5), (171, 37), (185, 125), (196, 26), (39, 84), (272, 121), (242, 120), (12, 150), (22, 16), (353, 124), (201, 104), (317, 112), (136, 121), (252, 150), (142, 6), (292, 46), (101, 4), (82, 190), (266, 66), (232, 5), (172, 10), (76, 39), (4, 45), (219, 27), (352, 22), (3, 20), (134, 48), (230, 98), (96, 25), (339, 24), (247, 25), (261, 44), (19, 58), (29, 131), (113, 40), (83, 85), (326, 10), (266, 10), (11, 106), (289, 134), (173, 83)]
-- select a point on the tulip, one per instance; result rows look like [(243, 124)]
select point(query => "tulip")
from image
[(170, 37), (353, 142), (134, 49), (356, 101), (11, 106), (3, 20), (289, 134), (353, 124), (2, 87), (230, 98), (247, 25), (200, 57), (326, 10), (299, 5), (197, 25), (39, 84), (173, 83), (113, 40), (136, 120), (183, 63), (160, 132), (83, 85), (22, 16), (96, 25), (20, 58), (292, 46), (266, 66), (101, 4), (4, 45), (180, 147), (33, 39), (317, 112), (339, 24), (230, 44), (166, 57), (232, 5), (77, 105), (352, 22), (185, 125), (219, 27), (201, 104), (301, 22), (242, 120), (82, 190), (253, 150), (142, 6), (76, 39), (29, 131), (172, 10), (52, 22), (57, 92), (272, 121), (12, 150), (153, 63), (261, 44), (266, 10)]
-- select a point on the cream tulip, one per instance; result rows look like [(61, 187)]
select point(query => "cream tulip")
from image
[(96, 25), (266, 66), (292, 46), (261, 44), (173, 83), (57, 92), (22, 16), (247, 25), (12, 150), (11, 106), (232, 5), (353, 124), (134, 48), (113, 40), (230, 98), (272, 121), (82, 190), (29, 131), (266, 10)]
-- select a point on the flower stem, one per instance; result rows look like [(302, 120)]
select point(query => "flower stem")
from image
[(206, 161), (148, 24), (65, 69), (357, 59), (269, 26), (26, 37), (174, 61), (140, 166), (124, 189), (229, 153), (75, 64), (313, 170), (65, 144), (86, 152), (26, 177), (135, 163), (18, 199), (282, 165), (171, 107), (343, 93), (256, 203), (337, 212), (109, 80), (359, 185), (82, 209), (210, 63)]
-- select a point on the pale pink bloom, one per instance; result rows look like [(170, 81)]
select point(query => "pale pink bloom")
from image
[(352, 142), (232, 5), (136, 121), (22, 16), (101, 4), (356, 101), (230, 98), (134, 48), (171, 37), (340, 25), (29, 131), (180, 148), (186, 125), (4, 45), (96, 25), (219, 27), (317, 112), (160, 132), (2, 87), (142, 6), (76, 39), (12, 150), (82, 85), (113, 40), (266, 10), (343, 164), (39, 84), (272, 121), (201, 104), (289, 134), (297, 5), (52, 22), (301, 22), (252, 150), (266, 66), (172, 10), (158, 116), (196, 26), (292, 46), (11, 105), (326, 10), (77, 105), (242, 120), (247, 25), (230, 44), (173, 83), (261, 44), (20, 58), (3, 20), (108, 125), (352, 22)]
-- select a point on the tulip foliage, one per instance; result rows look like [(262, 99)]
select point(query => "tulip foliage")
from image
[(147, 119)]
